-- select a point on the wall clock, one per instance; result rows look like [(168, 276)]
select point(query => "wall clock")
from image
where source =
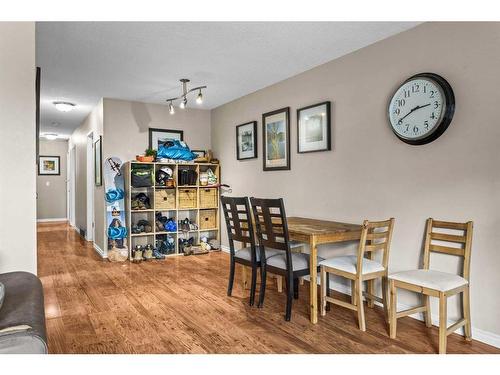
[(421, 108)]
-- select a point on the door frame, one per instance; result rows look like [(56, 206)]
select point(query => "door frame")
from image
[(71, 185), (90, 232)]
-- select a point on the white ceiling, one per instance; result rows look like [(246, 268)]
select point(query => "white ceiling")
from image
[(84, 61)]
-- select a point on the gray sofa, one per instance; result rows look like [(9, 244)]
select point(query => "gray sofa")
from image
[(22, 316)]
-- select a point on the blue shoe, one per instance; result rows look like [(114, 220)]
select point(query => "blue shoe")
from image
[(158, 255)]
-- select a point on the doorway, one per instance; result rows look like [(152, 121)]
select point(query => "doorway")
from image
[(89, 234)]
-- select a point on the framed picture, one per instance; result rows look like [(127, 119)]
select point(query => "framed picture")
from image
[(49, 166), (313, 128), (160, 136), (199, 153), (98, 162), (276, 140), (246, 141)]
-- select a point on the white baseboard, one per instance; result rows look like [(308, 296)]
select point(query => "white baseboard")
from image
[(477, 333), (51, 220), (99, 251)]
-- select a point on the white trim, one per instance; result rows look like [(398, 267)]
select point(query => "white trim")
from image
[(89, 233), (49, 220), (478, 334), (99, 251), (72, 186)]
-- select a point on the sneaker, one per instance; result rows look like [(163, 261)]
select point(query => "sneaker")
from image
[(158, 255)]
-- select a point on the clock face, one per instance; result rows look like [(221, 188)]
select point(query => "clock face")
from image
[(417, 109)]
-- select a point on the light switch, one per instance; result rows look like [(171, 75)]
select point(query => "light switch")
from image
[(47, 183)]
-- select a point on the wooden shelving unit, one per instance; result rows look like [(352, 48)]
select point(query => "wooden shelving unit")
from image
[(196, 213)]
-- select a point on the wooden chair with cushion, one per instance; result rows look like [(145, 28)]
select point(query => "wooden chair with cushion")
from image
[(272, 232), (240, 228), (375, 236), (438, 284)]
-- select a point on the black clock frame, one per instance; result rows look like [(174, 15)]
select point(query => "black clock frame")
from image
[(449, 97)]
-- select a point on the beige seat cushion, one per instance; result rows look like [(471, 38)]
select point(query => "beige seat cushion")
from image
[(349, 263), (436, 280), (300, 261), (246, 252)]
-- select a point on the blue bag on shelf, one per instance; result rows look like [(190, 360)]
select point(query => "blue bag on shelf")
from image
[(175, 149)]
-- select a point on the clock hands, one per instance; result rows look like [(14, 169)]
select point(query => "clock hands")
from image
[(400, 121)]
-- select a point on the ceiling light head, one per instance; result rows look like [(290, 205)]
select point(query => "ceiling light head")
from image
[(171, 109), (183, 103), (199, 99), (50, 136), (64, 106)]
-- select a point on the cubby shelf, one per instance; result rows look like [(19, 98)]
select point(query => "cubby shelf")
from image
[(176, 211)]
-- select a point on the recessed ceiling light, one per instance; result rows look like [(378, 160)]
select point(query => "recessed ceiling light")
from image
[(50, 136), (64, 106)]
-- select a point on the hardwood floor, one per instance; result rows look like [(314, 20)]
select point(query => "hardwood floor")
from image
[(180, 306)]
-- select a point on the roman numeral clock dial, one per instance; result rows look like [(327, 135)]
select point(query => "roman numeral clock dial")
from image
[(421, 108)]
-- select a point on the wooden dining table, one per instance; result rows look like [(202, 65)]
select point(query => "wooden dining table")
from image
[(319, 232)]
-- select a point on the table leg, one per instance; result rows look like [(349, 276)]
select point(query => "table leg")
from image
[(279, 283), (244, 277), (244, 273), (313, 291)]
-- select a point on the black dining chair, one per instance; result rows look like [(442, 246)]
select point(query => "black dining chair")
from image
[(272, 232), (240, 228)]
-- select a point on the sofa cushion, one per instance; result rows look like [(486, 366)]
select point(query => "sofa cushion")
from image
[(2, 294), (23, 305)]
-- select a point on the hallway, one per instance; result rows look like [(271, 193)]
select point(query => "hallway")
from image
[(180, 306)]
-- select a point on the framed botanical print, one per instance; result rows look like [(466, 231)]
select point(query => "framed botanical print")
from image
[(98, 162), (313, 128), (246, 141), (276, 140), (49, 166), (158, 137)]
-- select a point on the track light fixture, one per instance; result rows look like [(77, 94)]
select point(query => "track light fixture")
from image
[(199, 99), (183, 97)]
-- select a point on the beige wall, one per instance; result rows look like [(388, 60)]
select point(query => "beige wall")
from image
[(370, 173), (92, 124), (126, 126), (51, 190), (17, 147)]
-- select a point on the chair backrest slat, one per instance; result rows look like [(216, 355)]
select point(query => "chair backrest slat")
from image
[(447, 250), (271, 226), (375, 236), (462, 242), (448, 237), (238, 221)]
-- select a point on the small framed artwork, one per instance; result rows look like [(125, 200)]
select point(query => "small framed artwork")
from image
[(199, 153), (49, 166), (246, 141), (276, 140), (313, 128), (158, 137), (98, 162)]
